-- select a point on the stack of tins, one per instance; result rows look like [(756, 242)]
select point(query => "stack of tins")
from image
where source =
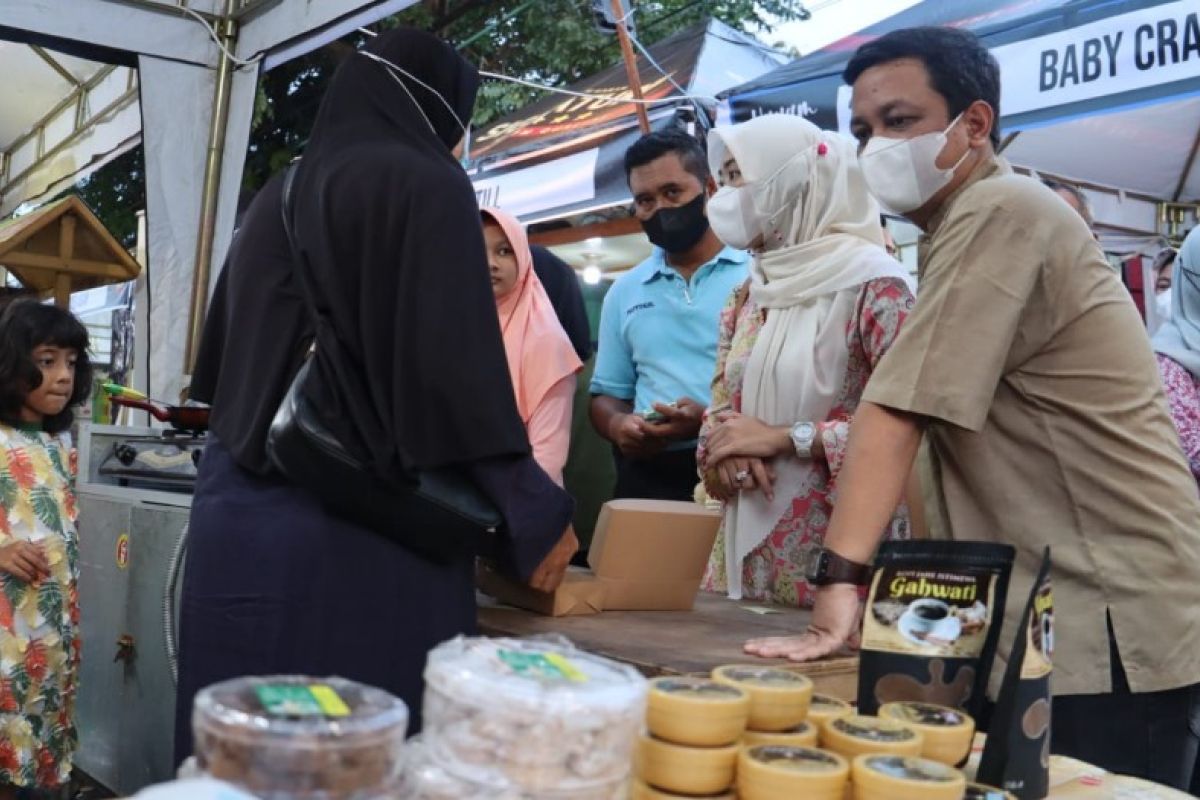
[(759, 733)]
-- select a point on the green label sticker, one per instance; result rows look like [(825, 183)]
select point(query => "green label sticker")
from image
[(541, 666), (317, 700)]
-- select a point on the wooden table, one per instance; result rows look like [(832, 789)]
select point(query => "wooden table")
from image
[(677, 642)]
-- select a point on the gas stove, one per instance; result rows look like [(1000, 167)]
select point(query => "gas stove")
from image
[(143, 458)]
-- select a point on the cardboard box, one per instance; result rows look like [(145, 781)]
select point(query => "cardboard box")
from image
[(646, 555), (579, 594), (650, 555)]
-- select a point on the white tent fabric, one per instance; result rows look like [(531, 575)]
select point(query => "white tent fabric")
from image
[(1143, 150), (60, 117), (177, 60)]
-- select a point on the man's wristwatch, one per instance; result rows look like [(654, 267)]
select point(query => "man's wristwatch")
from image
[(826, 567), (804, 436)]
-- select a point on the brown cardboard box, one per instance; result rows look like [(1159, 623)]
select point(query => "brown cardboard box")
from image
[(579, 594), (650, 555)]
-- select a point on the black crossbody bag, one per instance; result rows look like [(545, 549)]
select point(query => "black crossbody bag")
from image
[(439, 514)]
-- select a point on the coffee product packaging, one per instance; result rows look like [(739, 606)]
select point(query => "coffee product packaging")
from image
[(1017, 754), (932, 622)]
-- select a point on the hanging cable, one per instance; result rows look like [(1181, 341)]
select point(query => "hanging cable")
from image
[(655, 64), (587, 96), (217, 40)]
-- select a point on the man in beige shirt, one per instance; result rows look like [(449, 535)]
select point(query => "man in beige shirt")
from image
[(1027, 367)]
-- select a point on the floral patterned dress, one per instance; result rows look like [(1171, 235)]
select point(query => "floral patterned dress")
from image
[(1183, 396), (39, 622), (774, 572)]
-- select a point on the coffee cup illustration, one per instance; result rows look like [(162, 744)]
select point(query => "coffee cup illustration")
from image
[(926, 614)]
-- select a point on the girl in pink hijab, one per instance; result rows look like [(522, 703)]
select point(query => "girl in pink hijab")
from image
[(541, 360)]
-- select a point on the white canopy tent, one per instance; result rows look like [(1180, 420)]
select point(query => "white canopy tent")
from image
[(74, 70)]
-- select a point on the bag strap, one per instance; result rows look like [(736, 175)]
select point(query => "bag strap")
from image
[(285, 210)]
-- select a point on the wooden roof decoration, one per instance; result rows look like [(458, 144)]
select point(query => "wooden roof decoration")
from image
[(63, 248)]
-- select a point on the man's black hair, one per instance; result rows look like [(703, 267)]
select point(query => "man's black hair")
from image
[(654, 146), (960, 68), (1081, 199), (24, 326)]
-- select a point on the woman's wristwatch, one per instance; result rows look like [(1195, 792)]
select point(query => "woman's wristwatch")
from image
[(804, 436)]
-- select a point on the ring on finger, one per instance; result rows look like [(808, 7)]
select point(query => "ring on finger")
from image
[(741, 475)]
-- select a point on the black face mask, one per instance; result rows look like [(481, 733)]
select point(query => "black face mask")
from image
[(676, 230)]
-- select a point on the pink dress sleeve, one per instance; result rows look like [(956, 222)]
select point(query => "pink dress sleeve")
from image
[(550, 428), (1183, 396)]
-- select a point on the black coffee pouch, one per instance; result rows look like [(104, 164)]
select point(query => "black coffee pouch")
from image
[(932, 622), (1017, 754)]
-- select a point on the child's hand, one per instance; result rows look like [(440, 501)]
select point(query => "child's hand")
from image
[(24, 560)]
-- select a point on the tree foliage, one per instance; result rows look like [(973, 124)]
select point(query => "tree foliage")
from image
[(554, 42)]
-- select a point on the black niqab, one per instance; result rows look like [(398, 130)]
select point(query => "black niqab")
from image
[(409, 351), (410, 362)]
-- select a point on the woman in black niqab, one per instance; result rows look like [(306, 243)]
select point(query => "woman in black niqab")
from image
[(412, 374)]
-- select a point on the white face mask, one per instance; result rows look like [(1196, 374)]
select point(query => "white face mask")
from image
[(732, 218), (903, 173), (736, 213), (1162, 304)]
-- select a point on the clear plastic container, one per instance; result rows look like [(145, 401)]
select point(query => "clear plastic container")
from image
[(425, 779), (297, 738), (537, 714)]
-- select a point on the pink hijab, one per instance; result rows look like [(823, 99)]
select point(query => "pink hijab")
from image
[(539, 352)]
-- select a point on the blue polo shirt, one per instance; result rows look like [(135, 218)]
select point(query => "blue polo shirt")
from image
[(658, 332)]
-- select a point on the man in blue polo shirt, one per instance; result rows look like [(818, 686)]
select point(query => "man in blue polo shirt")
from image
[(658, 329)]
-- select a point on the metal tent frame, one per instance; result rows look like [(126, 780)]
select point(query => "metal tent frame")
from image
[(194, 66)]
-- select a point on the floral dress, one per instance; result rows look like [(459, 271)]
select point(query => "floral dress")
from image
[(774, 572), (39, 622), (1183, 396)]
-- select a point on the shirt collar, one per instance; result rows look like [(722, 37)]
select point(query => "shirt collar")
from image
[(990, 166), (656, 265)]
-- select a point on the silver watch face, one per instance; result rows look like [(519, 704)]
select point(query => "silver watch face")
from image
[(803, 436)]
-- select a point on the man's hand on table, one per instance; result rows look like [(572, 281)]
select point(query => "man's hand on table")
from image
[(836, 619)]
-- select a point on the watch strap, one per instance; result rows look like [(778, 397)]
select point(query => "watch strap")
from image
[(829, 567)]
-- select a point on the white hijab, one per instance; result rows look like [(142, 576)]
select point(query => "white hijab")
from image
[(1179, 337), (823, 241)]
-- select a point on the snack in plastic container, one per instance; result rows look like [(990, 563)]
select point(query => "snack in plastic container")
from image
[(825, 708), (779, 698), (855, 735), (766, 772), (696, 711), (537, 714), (696, 771), (425, 779), (887, 777), (948, 732), (295, 737), (803, 735)]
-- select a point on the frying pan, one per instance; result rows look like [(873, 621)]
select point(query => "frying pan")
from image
[(184, 418)]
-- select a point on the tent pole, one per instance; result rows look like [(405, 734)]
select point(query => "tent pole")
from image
[(631, 71), (212, 184), (1187, 168), (1007, 141)]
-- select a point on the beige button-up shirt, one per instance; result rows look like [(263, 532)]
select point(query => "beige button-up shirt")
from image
[(1049, 427)]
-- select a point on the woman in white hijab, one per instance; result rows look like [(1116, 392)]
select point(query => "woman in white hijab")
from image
[(1177, 343), (798, 343)]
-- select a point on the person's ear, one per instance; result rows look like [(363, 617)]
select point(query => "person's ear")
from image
[(710, 186), (978, 120)]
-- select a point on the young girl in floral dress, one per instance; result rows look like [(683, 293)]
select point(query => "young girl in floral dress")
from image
[(44, 373)]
